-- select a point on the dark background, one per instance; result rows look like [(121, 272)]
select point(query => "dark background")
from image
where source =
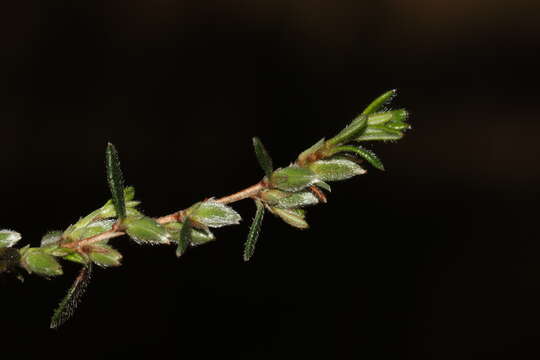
[(436, 258)]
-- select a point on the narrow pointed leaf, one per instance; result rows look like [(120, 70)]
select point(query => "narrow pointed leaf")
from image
[(353, 130), (376, 133), (69, 303), (254, 231), (265, 161), (382, 118), (9, 238), (185, 238), (379, 102), (116, 181), (366, 154)]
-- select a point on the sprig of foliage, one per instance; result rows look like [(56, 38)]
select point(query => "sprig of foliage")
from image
[(284, 192)]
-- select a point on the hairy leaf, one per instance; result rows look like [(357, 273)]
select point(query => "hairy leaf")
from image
[(69, 303), (336, 169), (353, 130), (35, 260), (362, 152), (293, 217), (8, 238), (51, 237), (377, 133), (254, 231), (265, 161), (214, 214), (116, 180), (293, 178), (145, 230), (105, 256), (379, 102)]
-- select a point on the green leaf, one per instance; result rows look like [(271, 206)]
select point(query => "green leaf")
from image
[(116, 181), (69, 303), (376, 133), (8, 238), (185, 237), (293, 178), (353, 130), (51, 237), (92, 229), (293, 217), (105, 256), (198, 236), (324, 186), (362, 152), (336, 169), (254, 231), (145, 230), (265, 161), (35, 260), (379, 102), (297, 200), (77, 258), (382, 118), (213, 214), (303, 157)]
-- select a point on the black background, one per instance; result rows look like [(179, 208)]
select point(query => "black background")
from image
[(436, 258)]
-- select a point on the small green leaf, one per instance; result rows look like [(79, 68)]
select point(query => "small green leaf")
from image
[(385, 117), (362, 152), (198, 236), (92, 229), (129, 193), (265, 161), (336, 169), (185, 237), (35, 260), (293, 217), (379, 102), (353, 130), (254, 231), (324, 186), (297, 200), (302, 158), (145, 230), (293, 178), (213, 214), (376, 133), (77, 258), (8, 238), (105, 256), (116, 180), (69, 303), (51, 237)]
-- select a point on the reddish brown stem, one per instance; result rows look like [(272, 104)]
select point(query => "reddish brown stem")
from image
[(177, 216)]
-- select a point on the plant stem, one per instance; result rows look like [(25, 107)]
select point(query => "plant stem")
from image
[(248, 192)]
